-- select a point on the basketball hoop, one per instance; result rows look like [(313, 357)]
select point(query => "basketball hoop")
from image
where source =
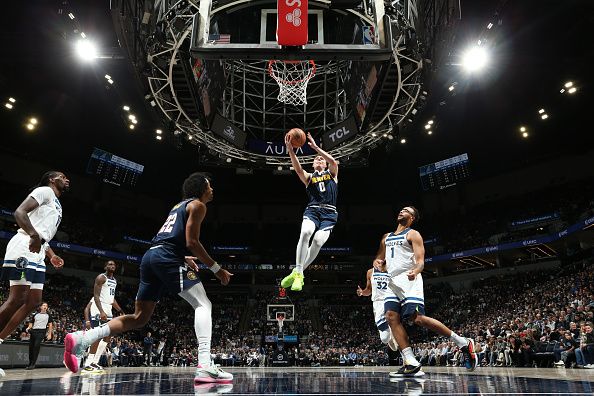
[(280, 318), (292, 77)]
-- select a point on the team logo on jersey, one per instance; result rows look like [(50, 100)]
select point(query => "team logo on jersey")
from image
[(192, 275), (21, 263)]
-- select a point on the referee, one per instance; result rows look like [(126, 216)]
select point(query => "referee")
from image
[(41, 326)]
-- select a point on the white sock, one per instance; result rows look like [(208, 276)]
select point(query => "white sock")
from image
[(460, 341), (89, 360), (1, 340), (409, 357), (203, 329), (99, 352), (97, 333)]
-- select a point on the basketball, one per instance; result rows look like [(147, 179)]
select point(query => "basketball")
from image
[(297, 137)]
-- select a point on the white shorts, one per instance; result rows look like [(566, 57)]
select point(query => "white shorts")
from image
[(408, 295), (21, 266), (107, 308), (379, 313)]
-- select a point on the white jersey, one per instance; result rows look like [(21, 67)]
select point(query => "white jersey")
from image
[(399, 253), (47, 216), (106, 297), (379, 285)]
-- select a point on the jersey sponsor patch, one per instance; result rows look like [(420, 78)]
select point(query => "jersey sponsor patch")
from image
[(192, 275)]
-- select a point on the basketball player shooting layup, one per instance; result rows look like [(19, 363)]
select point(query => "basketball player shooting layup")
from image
[(377, 287), (166, 266), (403, 254), (100, 310), (320, 215)]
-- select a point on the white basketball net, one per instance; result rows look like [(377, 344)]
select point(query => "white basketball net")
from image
[(280, 319), (292, 78)]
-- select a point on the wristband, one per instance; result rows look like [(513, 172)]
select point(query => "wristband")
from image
[(215, 267)]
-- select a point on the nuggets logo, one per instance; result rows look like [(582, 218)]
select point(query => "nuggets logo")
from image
[(192, 275), (21, 263)]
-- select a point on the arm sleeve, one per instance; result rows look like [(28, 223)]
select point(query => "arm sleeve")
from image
[(42, 195)]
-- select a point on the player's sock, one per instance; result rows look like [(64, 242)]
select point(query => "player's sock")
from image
[(203, 329), (99, 352), (409, 357), (1, 340), (89, 360), (460, 341), (96, 333)]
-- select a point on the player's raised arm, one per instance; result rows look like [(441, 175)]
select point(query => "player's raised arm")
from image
[(332, 164), (367, 291), (301, 173), (380, 257)]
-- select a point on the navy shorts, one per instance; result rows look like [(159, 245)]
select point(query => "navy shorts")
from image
[(324, 218), (28, 274), (406, 310), (161, 271)]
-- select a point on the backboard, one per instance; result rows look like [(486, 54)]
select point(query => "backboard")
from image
[(273, 309)]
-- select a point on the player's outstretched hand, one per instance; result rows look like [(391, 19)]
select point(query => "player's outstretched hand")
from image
[(224, 276), (191, 263), (288, 143), (57, 261), (311, 141)]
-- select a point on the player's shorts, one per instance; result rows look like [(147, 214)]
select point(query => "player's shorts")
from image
[(161, 271), (408, 297), (21, 266), (324, 218), (95, 321), (379, 314)]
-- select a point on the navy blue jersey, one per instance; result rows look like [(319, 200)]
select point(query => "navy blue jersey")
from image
[(322, 189), (173, 232)]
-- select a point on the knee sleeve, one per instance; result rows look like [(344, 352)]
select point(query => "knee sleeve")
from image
[(385, 336), (196, 297)]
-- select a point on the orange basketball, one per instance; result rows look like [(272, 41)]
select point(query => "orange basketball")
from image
[(297, 137)]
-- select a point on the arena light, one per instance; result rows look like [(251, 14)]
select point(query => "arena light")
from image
[(33, 121), (131, 117), (11, 100), (390, 137), (544, 116), (490, 25), (568, 84), (30, 127), (126, 108), (541, 111), (107, 77), (430, 122), (474, 59), (403, 140), (71, 15), (86, 50), (8, 106), (135, 121), (159, 132), (522, 129), (83, 35), (159, 137), (451, 88), (131, 126), (525, 135), (428, 126), (430, 132), (571, 90)]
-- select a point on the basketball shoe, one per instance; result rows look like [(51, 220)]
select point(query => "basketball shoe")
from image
[(298, 282), (470, 356), (288, 280), (211, 373), (408, 370), (75, 345)]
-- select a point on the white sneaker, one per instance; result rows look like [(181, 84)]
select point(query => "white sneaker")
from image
[(589, 366), (211, 373), (2, 373)]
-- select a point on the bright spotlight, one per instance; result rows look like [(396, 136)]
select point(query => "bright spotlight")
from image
[(474, 59), (571, 90), (30, 127), (568, 84), (135, 121), (126, 108), (131, 126), (86, 50), (11, 100), (33, 121), (428, 126), (451, 88), (429, 132), (523, 129), (525, 135), (544, 116), (71, 15), (403, 140), (107, 77), (390, 137), (159, 137), (159, 131), (430, 122), (132, 117), (541, 111), (8, 106)]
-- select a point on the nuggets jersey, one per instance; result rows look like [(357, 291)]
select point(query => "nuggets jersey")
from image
[(379, 285), (47, 216), (322, 189), (106, 296), (399, 253), (172, 234)]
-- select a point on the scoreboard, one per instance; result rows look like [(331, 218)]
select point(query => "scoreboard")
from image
[(445, 173), (113, 169)]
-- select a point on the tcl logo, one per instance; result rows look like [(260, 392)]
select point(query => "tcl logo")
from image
[(340, 133)]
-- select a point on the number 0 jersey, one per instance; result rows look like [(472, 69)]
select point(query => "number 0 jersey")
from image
[(379, 285), (172, 234), (322, 189)]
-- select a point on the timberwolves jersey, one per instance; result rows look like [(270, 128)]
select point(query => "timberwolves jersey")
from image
[(322, 189), (106, 297), (399, 253), (379, 285), (172, 234)]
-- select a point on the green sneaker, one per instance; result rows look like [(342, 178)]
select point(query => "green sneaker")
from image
[(288, 280), (298, 282)]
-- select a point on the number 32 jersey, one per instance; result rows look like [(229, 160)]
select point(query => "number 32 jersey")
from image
[(172, 235), (379, 285)]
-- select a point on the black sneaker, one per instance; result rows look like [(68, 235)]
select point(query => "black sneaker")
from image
[(30, 367), (470, 357), (408, 370)]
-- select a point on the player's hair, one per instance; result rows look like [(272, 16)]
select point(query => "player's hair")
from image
[(195, 185), (110, 261), (45, 179), (417, 215)]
